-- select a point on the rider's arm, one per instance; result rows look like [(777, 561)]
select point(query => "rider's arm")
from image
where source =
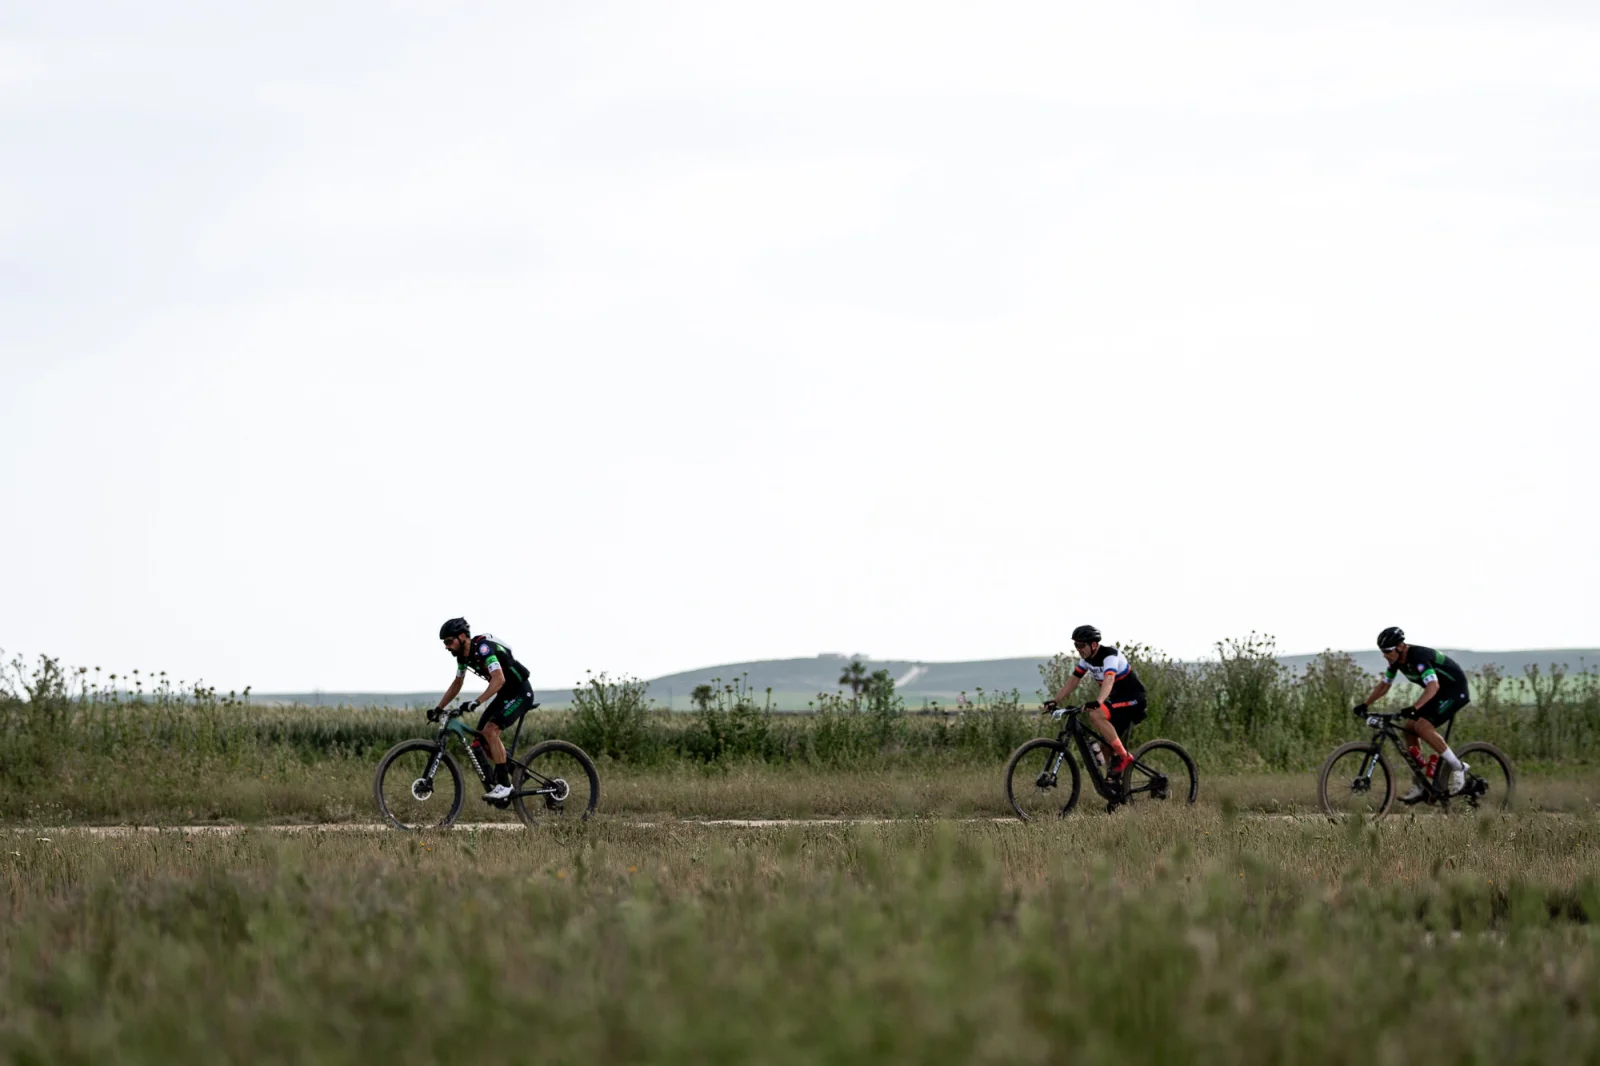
[(1429, 691), (1066, 690), (451, 693), (1105, 692), (497, 678), (1380, 690)]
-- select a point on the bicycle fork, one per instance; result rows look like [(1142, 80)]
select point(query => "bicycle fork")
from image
[(1047, 779)]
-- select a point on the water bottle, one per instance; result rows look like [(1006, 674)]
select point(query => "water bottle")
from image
[(1416, 755), (1099, 756), (1433, 767)]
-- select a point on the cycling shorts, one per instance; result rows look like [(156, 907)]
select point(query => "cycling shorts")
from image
[(1440, 709), (507, 707), (1127, 713)]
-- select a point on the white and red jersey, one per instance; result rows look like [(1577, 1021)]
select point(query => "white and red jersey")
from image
[(1107, 661)]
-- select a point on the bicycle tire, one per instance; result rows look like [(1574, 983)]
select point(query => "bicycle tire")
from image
[(1481, 751), (1028, 799), (1139, 780), (394, 756), (531, 808), (1374, 807)]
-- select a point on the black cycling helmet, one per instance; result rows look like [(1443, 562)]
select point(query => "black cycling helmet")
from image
[(454, 627), (1086, 635), (1391, 638)]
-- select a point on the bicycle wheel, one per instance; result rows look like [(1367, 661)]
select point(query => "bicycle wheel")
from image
[(1161, 770), (1355, 782), (1033, 780), (407, 797), (1491, 782), (555, 779)]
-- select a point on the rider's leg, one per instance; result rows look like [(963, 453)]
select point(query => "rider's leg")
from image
[(497, 748), (1101, 720), (1426, 730), (1120, 759), (497, 754)]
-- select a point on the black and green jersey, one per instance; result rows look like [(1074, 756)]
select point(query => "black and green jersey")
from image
[(486, 655), (1424, 665)]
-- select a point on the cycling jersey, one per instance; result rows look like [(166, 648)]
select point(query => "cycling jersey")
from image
[(1422, 666), (515, 698), (1125, 686), (485, 655)]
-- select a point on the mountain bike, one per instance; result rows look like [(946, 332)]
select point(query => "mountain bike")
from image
[(556, 779), (1356, 781), (1161, 771)]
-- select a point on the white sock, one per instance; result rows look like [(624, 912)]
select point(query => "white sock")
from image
[(1450, 759)]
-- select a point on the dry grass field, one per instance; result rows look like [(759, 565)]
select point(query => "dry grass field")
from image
[(1185, 935)]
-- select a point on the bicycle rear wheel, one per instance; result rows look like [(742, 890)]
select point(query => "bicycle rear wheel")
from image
[(1491, 782), (1355, 782), (407, 797), (1161, 771), (1033, 780), (556, 780)]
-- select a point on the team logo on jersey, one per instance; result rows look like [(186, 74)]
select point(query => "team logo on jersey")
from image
[(483, 649)]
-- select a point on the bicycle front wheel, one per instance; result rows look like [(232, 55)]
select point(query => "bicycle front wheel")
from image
[(411, 797), (1355, 782), (1161, 770), (1034, 782), (556, 780), (1490, 779)]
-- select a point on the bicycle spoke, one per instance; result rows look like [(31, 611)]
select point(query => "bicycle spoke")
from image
[(1490, 782), (409, 796), (1041, 780), (1161, 773), (560, 783), (1356, 783)]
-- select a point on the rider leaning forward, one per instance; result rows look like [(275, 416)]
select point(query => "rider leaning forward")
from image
[(1444, 692), (1121, 702), (507, 698)]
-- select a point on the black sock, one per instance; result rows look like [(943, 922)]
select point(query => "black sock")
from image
[(502, 774)]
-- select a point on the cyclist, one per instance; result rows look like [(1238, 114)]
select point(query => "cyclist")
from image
[(507, 698), (1121, 702), (1444, 692)]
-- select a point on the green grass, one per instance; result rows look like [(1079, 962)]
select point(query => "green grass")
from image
[(340, 790), (1167, 936)]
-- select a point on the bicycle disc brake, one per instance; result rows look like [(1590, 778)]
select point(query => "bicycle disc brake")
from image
[(559, 791), (421, 789)]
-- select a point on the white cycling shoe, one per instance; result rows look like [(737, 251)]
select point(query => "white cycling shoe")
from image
[(1412, 796), (498, 792), (1458, 779)]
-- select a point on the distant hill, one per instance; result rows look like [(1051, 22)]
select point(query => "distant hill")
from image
[(795, 682)]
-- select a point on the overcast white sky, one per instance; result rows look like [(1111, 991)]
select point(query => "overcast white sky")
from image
[(656, 336)]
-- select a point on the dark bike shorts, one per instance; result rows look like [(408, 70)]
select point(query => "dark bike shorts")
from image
[(507, 707), (1127, 713), (1440, 709)]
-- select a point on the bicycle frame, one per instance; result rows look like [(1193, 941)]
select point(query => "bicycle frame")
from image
[(1072, 728), (1384, 728), (553, 789)]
